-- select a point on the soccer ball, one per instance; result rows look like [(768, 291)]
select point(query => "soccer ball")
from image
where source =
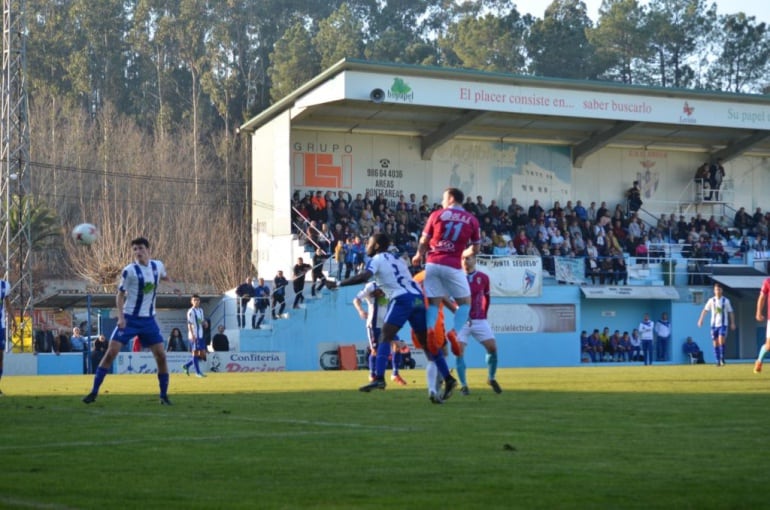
[(85, 234)]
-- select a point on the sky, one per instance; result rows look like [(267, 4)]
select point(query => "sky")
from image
[(760, 9)]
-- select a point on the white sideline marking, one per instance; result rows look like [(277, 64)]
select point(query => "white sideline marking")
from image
[(22, 503)]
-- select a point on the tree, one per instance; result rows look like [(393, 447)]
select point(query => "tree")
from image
[(294, 61), (619, 39), (742, 64), (488, 43), (339, 36), (558, 45), (676, 28)]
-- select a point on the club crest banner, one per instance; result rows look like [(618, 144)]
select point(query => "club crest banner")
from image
[(513, 276)]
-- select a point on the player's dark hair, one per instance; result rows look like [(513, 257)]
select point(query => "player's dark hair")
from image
[(195, 296), (383, 242), (141, 241), (457, 194)]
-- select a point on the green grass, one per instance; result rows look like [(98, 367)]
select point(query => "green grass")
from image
[(588, 437)]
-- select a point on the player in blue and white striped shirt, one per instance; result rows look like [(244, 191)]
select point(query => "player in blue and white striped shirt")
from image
[(135, 301), (195, 318)]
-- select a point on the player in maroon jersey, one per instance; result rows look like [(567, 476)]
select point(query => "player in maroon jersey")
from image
[(449, 234), (478, 326)]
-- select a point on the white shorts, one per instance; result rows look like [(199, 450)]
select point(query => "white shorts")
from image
[(443, 280), (478, 329)]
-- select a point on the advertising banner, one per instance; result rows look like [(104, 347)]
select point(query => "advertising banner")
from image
[(144, 362), (532, 318), (513, 276)]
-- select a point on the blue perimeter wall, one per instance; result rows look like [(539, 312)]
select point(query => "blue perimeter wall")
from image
[(333, 320)]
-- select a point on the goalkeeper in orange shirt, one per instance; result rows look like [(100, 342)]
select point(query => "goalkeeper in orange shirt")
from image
[(437, 338)]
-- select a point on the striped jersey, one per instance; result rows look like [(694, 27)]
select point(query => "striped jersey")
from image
[(195, 322), (479, 284), (720, 309), (375, 306), (392, 275), (140, 285)]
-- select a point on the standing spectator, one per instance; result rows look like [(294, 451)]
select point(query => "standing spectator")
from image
[(722, 317), (716, 175), (220, 342), (6, 317), (77, 341), (97, 351), (195, 320), (477, 326), (646, 332), (135, 301), (299, 271), (245, 292), (279, 294), (176, 342), (319, 258), (261, 302), (62, 343), (663, 334), (44, 339)]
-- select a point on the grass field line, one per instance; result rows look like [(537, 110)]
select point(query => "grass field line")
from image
[(164, 440), (257, 419), (22, 503)]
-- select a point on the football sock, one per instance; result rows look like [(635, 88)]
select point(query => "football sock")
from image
[(189, 363), (430, 375), (492, 365), (431, 316), (460, 363), (197, 365), (396, 360), (383, 351), (99, 376), (762, 352), (716, 353), (722, 352), (372, 364), (461, 316), (163, 383), (443, 368)]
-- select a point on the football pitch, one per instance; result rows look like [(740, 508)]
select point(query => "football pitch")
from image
[(690, 436)]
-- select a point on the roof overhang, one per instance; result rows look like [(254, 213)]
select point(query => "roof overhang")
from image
[(752, 283), (436, 104), (631, 292)]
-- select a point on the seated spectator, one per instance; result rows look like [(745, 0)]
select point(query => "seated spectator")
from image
[(693, 351), (593, 269), (220, 342), (636, 346), (596, 346), (176, 342), (618, 350), (606, 271), (586, 351), (619, 269), (625, 342), (604, 336)]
